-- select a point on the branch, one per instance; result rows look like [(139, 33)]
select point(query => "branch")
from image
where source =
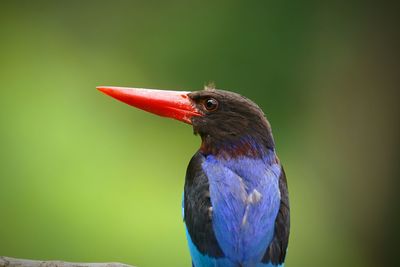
[(12, 262)]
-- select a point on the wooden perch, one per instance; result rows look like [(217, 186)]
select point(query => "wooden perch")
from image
[(12, 262)]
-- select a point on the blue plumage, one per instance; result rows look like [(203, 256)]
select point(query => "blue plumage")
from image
[(245, 200), (198, 259)]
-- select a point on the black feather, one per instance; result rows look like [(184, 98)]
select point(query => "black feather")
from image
[(197, 205)]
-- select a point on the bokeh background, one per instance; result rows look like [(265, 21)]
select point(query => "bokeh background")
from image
[(86, 178)]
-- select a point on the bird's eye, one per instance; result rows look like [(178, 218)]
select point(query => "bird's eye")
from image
[(211, 104)]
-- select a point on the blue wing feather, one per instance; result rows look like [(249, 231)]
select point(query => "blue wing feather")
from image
[(245, 198)]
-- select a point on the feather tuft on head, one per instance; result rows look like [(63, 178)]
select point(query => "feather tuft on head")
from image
[(209, 86)]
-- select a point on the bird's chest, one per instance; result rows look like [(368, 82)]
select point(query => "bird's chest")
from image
[(245, 200)]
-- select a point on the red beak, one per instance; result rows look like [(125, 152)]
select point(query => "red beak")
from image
[(171, 104)]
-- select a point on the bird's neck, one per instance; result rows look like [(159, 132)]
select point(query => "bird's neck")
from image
[(246, 146)]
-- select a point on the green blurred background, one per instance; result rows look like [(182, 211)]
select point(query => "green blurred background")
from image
[(86, 178)]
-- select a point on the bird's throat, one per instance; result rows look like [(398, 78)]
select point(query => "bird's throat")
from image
[(234, 148)]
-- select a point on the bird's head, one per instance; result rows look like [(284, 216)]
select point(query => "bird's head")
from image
[(228, 123)]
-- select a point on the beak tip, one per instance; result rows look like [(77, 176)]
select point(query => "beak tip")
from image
[(104, 89)]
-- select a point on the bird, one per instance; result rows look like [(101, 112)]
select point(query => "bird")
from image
[(235, 203)]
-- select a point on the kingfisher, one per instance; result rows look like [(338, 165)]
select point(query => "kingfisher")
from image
[(235, 201)]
